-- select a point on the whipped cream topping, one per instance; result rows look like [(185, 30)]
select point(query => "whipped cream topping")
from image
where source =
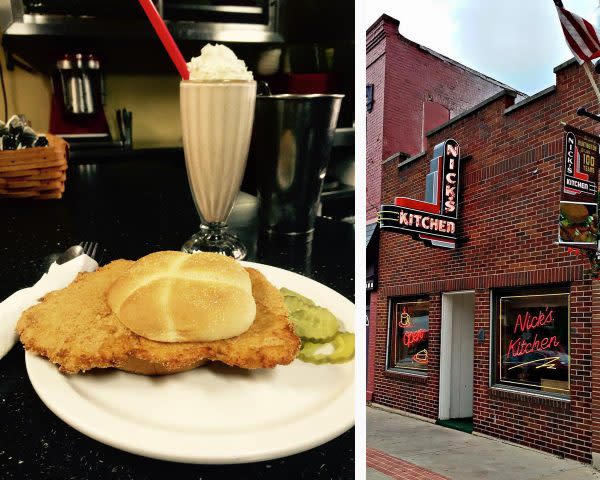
[(217, 63)]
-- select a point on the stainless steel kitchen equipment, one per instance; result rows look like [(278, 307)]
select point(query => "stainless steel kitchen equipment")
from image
[(291, 143), (79, 78), (249, 21), (76, 111)]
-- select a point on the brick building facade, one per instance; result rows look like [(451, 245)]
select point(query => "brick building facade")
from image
[(511, 180), (414, 89)]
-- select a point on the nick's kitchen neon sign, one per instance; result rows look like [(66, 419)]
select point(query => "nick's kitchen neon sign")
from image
[(519, 346), (431, 221)]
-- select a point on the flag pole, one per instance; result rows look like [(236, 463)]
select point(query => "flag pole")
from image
[(588, 71)]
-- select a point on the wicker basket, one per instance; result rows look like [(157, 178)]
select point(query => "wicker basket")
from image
[(38, 172)]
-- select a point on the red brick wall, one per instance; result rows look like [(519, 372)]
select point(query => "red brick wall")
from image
[(407, 76), (411, 393), (557, 427), (508, 212), (434, 114), (376, 42)]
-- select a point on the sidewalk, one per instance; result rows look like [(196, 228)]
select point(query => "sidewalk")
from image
[(410, 449)]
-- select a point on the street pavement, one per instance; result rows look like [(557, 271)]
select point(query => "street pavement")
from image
[(406, 448)]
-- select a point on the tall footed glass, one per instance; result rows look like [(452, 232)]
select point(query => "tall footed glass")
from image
[(216, 118)]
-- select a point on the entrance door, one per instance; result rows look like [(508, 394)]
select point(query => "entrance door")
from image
[(456, 356)]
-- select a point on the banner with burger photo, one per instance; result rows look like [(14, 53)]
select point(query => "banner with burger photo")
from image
[(578, 218)]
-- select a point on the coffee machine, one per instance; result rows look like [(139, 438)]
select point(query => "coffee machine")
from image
[(77, 108)]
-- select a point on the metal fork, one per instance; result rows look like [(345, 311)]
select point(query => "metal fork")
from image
[(90, 249)]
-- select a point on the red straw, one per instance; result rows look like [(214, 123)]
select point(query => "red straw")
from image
[(165, 37)]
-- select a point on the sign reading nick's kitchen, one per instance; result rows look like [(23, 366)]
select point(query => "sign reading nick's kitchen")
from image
[(433, 220), (578, 217)]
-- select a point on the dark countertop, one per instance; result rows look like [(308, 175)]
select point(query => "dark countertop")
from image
[(132, 208)]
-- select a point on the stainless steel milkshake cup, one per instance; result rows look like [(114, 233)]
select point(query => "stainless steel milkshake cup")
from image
[(291, 145)]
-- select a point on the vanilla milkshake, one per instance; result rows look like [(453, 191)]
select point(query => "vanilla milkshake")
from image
[(217, 111)]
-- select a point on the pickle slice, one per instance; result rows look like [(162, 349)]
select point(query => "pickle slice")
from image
[(290, 293), (315, 323), (343, 350), (294, 304), (317, 327)]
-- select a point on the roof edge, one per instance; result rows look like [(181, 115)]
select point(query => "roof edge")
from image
[(412, 159), (394, 156), (536, 96), (466, 113), (464, 67), (386, 18), (564, 65)]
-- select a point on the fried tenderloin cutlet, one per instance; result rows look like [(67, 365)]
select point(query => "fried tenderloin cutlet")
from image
[(76, 329)]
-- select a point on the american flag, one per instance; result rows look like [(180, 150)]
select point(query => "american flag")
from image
[(582, 37)]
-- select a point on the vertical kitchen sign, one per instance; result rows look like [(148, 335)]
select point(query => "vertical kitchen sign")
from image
[(433, 220), (578, 215)]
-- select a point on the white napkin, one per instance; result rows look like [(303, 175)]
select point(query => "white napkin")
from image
[(58, 276)]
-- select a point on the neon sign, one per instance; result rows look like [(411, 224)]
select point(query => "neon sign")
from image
[(431, 221), (519, 346), (527, 322), (409, 335), (421, 357), (404, 318), (548, 363), (412, 338), (534, 341)]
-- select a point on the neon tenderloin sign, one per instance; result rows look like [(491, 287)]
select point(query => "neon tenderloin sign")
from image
[(434, 220)]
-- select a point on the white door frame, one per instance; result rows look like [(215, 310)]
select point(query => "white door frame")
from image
[(446, 354)]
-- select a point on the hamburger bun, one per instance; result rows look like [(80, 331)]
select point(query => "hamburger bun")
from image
[(178, 297), (575, 212)]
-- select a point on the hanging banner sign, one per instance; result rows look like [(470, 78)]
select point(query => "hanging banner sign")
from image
[(580, 171), (578, 216), (433, 221)]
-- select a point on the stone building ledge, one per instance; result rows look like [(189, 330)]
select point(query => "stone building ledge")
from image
[(409, 377), (507, 393)]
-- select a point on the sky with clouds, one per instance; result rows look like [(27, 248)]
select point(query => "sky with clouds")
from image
[(517, 42)]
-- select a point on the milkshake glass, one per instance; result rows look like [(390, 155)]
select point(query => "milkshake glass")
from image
[(216, 118)]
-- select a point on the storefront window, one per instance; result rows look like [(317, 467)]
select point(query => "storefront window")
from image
[(409, 335), (532, 340)]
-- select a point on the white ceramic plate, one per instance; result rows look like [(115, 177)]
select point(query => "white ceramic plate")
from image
[(214, 414)]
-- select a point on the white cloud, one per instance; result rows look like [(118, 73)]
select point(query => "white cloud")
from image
[(518, 42)]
